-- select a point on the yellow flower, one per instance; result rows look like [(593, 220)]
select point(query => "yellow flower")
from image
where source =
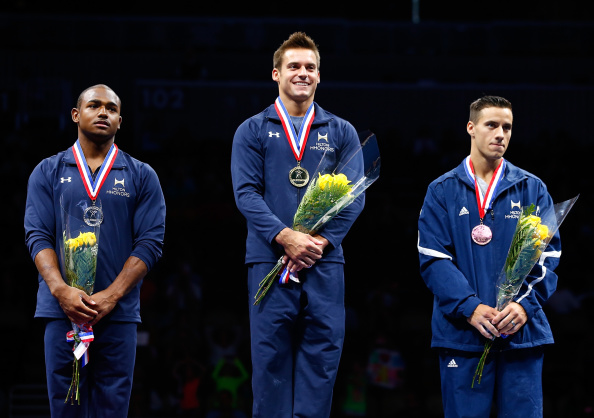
[(324, 180), (341, 179), (84, 239), (532, 220), (543, 231)]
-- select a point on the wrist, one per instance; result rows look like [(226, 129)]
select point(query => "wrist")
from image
[(281, 237)]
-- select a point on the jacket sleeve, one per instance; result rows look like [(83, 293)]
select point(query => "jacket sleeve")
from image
[(337, 228), (540, 284), (40, 219), (149, 218), (453, 294), (247, 175)]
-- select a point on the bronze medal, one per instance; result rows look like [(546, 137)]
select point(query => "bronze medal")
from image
[(481, 234)]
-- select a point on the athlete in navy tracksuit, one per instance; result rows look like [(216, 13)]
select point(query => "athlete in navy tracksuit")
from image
[(297, 331), (462, 275), (130, 242)]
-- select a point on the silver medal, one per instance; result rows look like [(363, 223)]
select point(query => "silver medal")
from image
[(93, 215)]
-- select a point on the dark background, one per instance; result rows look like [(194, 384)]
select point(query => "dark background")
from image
[(188, 75)]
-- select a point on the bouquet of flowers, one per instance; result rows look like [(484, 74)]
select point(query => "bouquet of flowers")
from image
[(531, 237), (80, 245), (330, 191)]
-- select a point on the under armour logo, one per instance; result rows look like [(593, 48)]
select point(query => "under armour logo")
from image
[(325, 137), (119, 182), (68, 179), (270, 134), (515, 205)]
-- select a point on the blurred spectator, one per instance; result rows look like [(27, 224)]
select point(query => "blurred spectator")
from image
[(229, 375)]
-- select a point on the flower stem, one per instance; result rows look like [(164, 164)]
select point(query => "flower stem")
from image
[(73, 390), (479, 368), (267, 281)]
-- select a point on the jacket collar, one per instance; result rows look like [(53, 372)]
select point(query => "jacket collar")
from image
[(511, 176), (68, 158), (321, 116)]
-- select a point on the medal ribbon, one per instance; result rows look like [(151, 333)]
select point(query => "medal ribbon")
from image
[(93, 186), (296, 141), (484, 202), (81, 341)]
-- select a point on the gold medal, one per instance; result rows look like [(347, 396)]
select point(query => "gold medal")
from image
[(299, 176)]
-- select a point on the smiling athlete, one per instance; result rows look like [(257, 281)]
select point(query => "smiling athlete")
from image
[(297, 331)]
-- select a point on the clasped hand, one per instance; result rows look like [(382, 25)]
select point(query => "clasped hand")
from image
[(84, 309), (491, 323), (301, 250)]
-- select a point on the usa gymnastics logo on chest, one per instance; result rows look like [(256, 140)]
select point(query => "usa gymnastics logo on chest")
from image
[(322, 144), (118, 188)]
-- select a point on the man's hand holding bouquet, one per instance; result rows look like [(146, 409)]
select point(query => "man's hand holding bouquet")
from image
[(331, 189)]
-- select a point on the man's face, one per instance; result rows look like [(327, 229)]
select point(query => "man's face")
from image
[(99, 114), (298, 76), (491, 133)]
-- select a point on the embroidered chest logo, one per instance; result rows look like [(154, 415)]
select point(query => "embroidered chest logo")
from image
[(515, 210), (118, 188), (271, 134), (67, 179), (322, 143)]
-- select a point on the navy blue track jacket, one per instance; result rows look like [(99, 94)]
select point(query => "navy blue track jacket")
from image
[(462, 274)]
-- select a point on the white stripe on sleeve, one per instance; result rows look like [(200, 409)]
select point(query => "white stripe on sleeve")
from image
[(429, 252), (541, 261)]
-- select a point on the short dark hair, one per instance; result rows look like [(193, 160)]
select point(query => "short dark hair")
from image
[(487, 101), (297, 40), (103, 86)]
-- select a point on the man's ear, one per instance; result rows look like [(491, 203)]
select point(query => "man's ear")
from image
[(470, 128), (74, 112)]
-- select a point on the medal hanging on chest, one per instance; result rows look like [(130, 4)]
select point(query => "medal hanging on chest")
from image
[(298, 176), (93, 214), (482, 234)]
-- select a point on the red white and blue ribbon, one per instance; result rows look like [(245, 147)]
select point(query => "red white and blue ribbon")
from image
[(484, 201), (93, 186), (296, 140), (81, 341), (286, 276)]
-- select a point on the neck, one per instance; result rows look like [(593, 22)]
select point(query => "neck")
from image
[(95, 151), (484, 168), (296, 108)]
